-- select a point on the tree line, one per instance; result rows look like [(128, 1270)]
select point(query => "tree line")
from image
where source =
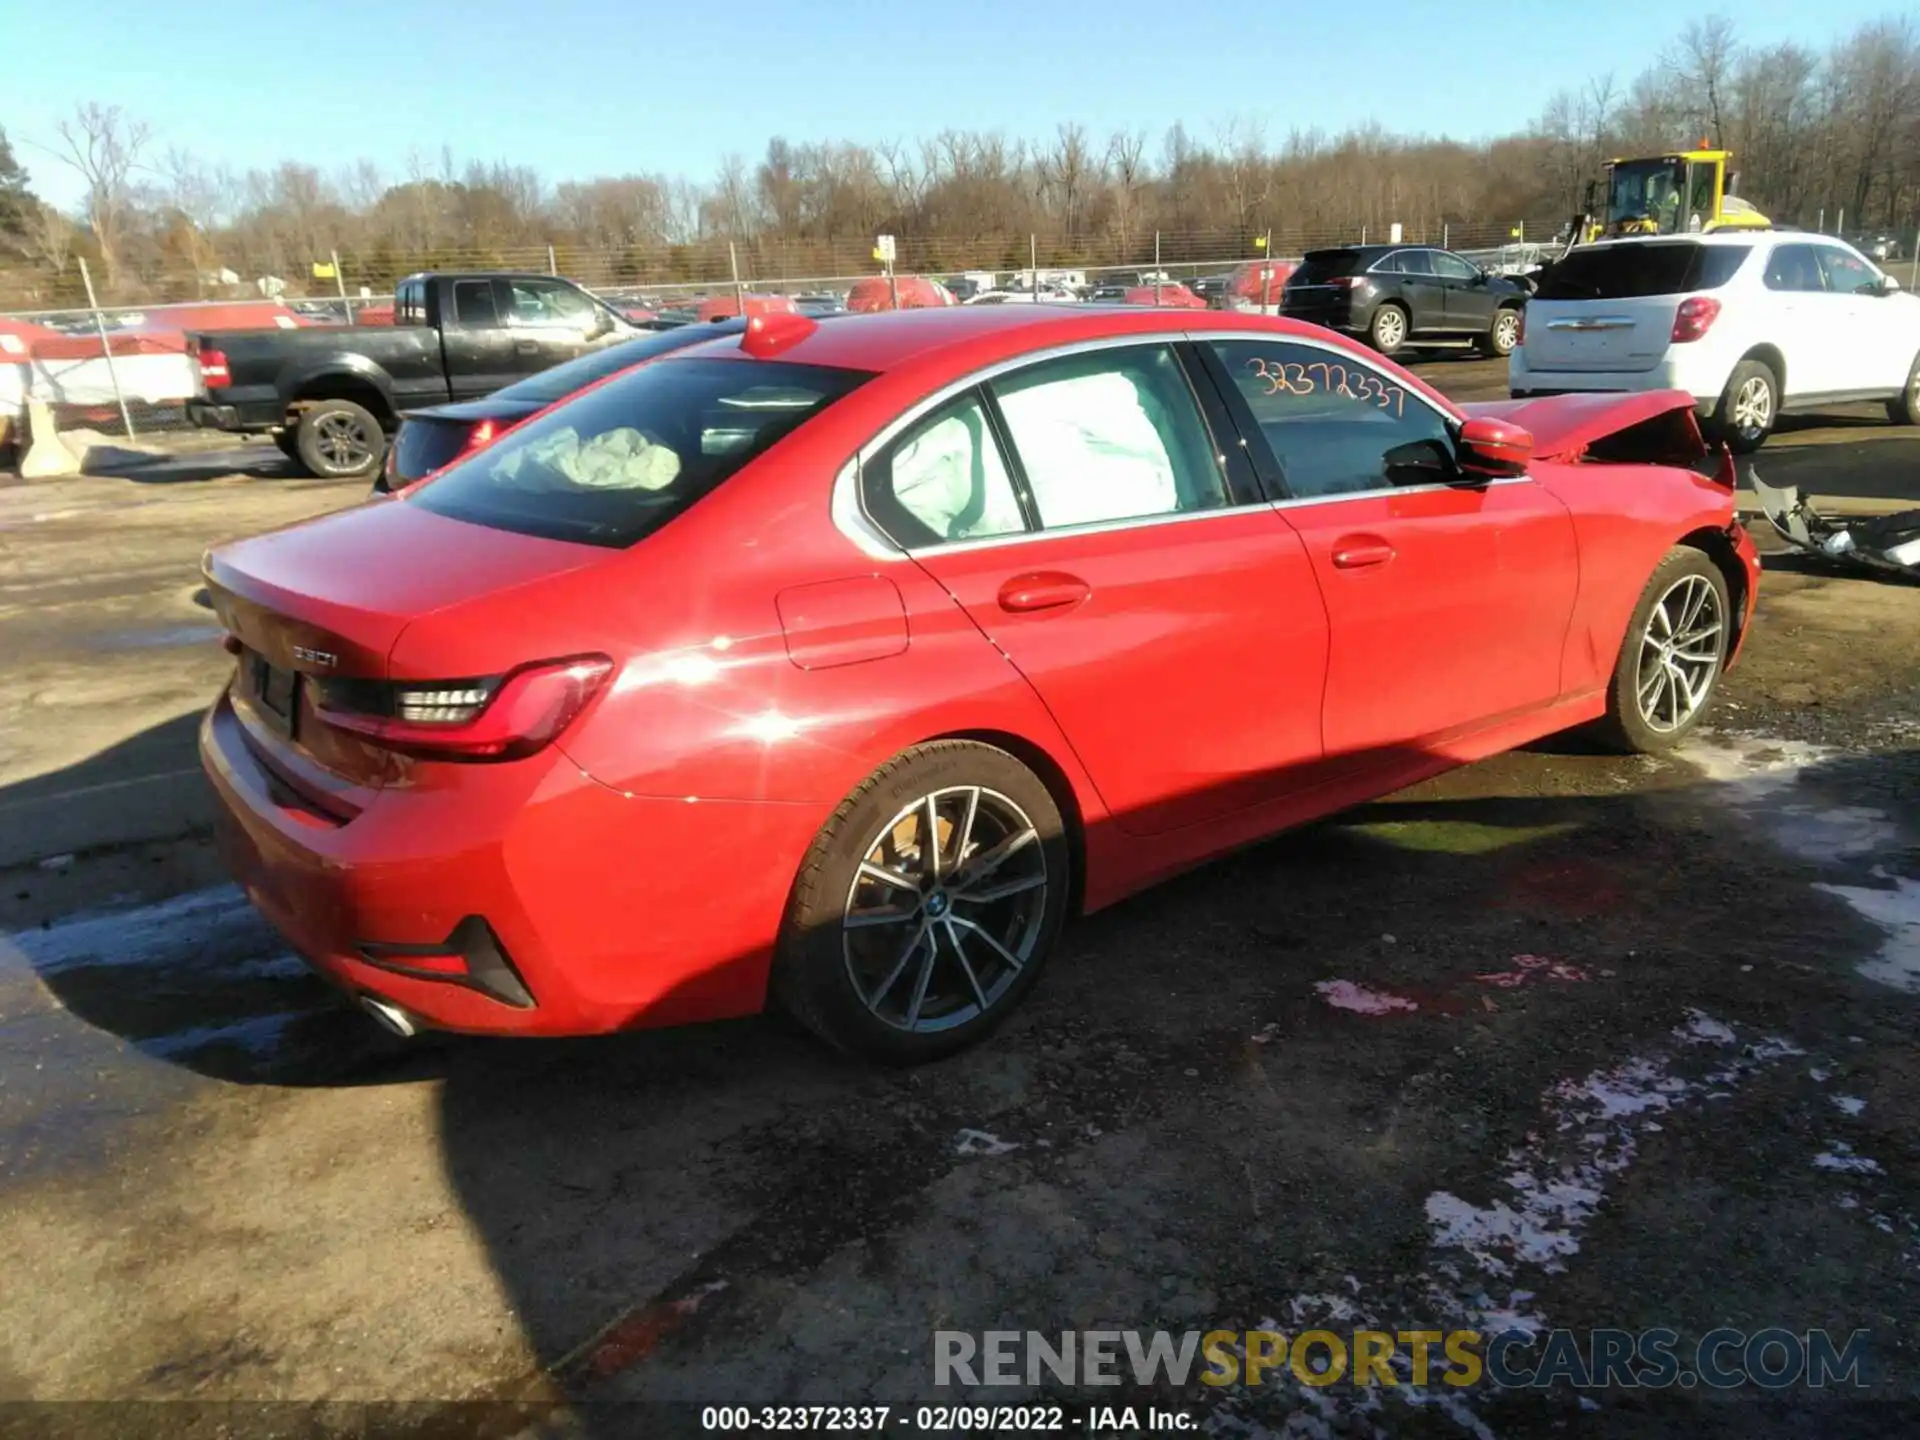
[(1818, 135)]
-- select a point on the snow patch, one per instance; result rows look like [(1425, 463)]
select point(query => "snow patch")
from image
[(1757, 776), (1849, 1104), (1843, 1161), (1896, 910), (202, 928), (1703, 1029), (1345, 995), (979, 1142)]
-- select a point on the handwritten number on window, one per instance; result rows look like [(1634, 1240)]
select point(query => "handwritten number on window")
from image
[(1290, 377)]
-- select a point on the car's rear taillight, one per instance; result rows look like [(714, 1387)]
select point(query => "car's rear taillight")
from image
[(481, 434), (214, 373), (502, 717), (1346, 282), (1694, 318)]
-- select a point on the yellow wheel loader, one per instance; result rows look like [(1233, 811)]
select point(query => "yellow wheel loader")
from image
[(1687, 192)]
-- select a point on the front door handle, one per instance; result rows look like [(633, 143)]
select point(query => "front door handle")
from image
[(527, 347), (1356, 552), (1043, 590)]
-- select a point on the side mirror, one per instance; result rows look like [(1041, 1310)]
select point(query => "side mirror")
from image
[(1888, 285), (1494, 447), (1481, 277)]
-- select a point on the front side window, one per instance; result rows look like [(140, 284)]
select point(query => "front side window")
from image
[(1847, 274), (1336, 426), (547, 302), (1451, 267), (1110, 435), (944, 480), (615, 464)]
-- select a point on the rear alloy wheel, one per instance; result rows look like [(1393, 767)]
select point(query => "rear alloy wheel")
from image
[(1748, 407), (1503, 334), (338, 439), (1388, 332), (927, 906), (1904, 408), (1672, 658)]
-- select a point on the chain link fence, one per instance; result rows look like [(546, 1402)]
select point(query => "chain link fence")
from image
[(119, 368)]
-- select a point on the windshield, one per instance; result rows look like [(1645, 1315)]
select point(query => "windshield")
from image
[(1647, 190), (562, 380), (615, 464)]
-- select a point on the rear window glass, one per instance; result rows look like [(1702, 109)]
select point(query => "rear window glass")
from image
[(1624, 272), (1320, 266), (562, 380), (614, 465)]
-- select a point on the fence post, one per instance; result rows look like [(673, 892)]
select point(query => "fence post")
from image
[(340, 281), (1363, 234), (553, 262), (1913, 263), (1821, 223), (106, 346), (739, 291), (1446, 235), (1840, 222), (1156, 268), (1033, 264)]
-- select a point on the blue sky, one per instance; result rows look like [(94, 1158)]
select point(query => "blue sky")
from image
[(577, 88)]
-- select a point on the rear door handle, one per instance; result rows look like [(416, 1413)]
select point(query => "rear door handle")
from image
[(1356, 552), (527, 347), (1043, 590)]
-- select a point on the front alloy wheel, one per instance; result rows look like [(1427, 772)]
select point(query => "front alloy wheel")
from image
[(1680, 651)]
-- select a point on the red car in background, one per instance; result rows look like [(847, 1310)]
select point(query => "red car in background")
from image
[(727, 307), (1257, 286), (874, 293), (838, 664)]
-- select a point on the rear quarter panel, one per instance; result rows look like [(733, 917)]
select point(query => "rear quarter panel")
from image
[(1626, 518)]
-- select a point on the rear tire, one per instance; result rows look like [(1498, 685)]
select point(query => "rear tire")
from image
[(1672, 658), (1748, 407), (853, 963), (1904, 408), (1388, 330), (339, 440), (1503, 334)]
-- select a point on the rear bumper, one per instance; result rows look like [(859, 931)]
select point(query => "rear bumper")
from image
[(1525, 382), (208, 416), (578, 910)]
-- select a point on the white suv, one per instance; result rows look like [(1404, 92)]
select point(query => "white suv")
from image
[(1749, 324)]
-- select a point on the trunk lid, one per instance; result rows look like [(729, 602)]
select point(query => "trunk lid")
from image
[(1612, 306), (1616, 335), (327, 600)]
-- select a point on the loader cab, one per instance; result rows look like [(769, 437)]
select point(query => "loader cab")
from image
[(1689, 192)]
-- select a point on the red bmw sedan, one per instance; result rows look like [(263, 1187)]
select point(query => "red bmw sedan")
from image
[(837, 666)]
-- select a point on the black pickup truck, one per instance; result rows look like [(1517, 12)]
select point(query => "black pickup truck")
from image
[(331, 395)]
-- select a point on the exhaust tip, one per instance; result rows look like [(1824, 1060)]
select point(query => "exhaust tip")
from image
[(390, 1016)]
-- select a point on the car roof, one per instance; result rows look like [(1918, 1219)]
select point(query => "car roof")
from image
[(955, 340), (1719, 237)]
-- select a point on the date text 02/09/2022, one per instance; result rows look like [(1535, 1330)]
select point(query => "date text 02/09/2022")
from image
[(946, 1419)]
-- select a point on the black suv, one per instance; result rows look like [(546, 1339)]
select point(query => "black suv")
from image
[(1396, 296)]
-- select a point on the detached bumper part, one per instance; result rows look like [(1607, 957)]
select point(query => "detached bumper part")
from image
[(1886, 544), (471, 957)]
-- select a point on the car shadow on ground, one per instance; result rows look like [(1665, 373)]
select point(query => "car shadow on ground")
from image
[(1179, 1129), (262, 462)]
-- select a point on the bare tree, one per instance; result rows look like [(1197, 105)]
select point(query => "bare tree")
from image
[(104, 147)]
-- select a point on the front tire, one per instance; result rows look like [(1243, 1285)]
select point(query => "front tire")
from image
[(1748, 407), (339, 440), (1388, 330), (927, 906), (1672, 659)]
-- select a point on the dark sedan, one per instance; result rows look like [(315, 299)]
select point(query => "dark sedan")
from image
[(435, 436), (1395, 296)]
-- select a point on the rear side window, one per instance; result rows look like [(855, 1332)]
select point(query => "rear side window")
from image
[(944, 480), (614, 465), (1320, 266), (410, 303), (1626, 272)]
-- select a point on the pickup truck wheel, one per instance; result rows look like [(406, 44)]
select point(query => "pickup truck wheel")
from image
[(338, 439)]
